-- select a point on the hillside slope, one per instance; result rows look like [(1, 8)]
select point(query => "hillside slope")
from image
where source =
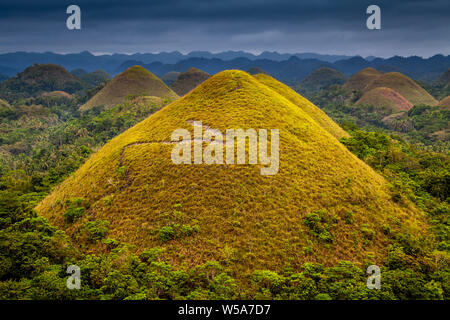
[(314, 112), (37, 79), (133, 81), (323, 197), (385, 98)]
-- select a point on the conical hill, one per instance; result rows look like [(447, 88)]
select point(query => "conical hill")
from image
[(133, 81), (322, 196)]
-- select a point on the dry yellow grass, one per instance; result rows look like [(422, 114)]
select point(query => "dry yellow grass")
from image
[(133, 81), (314, 112), (245, 220)]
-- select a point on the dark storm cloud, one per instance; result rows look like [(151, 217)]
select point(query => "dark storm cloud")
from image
[(326, 26)]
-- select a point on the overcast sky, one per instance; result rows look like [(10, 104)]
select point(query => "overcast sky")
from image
[(409, 27)]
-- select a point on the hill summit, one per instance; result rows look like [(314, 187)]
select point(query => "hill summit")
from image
[(188, 80), (359, 81), (323, 197), (133, 81)]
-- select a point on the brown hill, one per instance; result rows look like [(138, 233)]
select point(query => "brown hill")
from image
[(188, 80), (404, 85), (133, 81), (385, 98)]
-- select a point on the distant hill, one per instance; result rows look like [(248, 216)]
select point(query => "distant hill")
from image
[(385, 99), (255, 70), (359, 81), (57, 94), (95, 77), (289, 68), (323, 196), (170, 77), (322, 78), (79, 72), (134, 81), (445, 102), (37, 79), (188, 80), (444, 78), (405, 86)]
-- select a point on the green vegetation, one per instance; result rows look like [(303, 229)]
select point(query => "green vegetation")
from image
[(142, 228), (38, 79), (321, 79)]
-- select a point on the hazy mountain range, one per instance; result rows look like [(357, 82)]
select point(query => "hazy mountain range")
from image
[(290, 68)]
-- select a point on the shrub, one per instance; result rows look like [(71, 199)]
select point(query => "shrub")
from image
[(320, 223), (175, 231), (367, 233), (166, 233), (74, 213), (97, 229)]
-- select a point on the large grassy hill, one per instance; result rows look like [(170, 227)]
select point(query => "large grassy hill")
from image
[(324, 205), (133, 81)]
